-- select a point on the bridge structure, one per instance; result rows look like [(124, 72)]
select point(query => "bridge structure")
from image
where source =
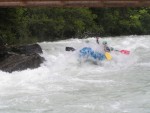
[(75, 3)]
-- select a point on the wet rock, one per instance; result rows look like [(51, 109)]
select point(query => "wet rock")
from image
[(20, 58), (27, 49)]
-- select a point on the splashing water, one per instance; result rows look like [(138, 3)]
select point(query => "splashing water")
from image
[(63, 85)]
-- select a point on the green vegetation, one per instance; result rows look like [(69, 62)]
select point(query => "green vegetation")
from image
[(29, 25)]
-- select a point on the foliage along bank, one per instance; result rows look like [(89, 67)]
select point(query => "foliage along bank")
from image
[(29, 25)]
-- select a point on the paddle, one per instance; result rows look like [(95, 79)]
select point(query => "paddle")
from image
[(70, 49), (126, 52), (108, 56)]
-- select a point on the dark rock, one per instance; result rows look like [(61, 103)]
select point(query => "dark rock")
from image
[(21, 62), (20, 58), (27, 49)]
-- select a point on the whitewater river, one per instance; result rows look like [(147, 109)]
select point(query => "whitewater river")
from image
[(64, 85)]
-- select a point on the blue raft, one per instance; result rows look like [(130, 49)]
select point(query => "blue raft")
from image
[(87, 52)]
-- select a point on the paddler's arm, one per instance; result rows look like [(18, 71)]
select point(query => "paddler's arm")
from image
[(116, 50), (112, 49)]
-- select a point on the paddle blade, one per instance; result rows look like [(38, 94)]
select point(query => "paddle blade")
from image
[(108, 56), (70, 49), (125, 52)]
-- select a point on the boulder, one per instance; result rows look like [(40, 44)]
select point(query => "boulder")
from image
[(21, 57), (26, 49)]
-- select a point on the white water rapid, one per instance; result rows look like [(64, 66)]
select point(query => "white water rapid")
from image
[(63, 85)]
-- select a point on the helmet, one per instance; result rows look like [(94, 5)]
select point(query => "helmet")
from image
[(104, 42)]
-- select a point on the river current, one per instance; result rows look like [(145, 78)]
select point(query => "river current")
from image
[(62, 84)]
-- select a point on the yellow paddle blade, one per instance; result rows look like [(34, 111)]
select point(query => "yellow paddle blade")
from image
[(108, 56)]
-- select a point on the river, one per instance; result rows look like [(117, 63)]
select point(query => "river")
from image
[(63, 85)]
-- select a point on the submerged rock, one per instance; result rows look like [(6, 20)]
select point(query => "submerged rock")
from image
[(20, 58)]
